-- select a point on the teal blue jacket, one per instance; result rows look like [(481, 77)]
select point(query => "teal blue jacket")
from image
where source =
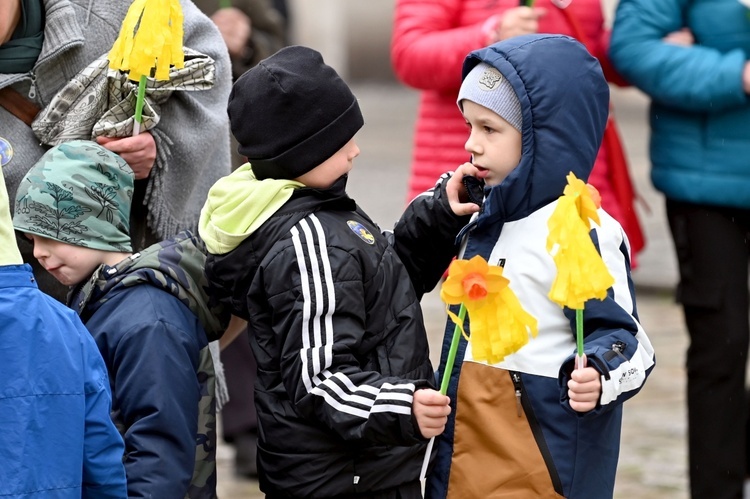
[(699, 115)]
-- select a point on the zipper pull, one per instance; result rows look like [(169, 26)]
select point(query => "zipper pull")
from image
[(32, 88), (519, 407), (618, 347), (517, 383)]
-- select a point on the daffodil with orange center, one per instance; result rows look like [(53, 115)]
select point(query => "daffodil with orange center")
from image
[(499, 324), (581, 272)]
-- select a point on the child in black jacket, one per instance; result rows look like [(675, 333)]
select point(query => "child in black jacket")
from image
[(344, 393)]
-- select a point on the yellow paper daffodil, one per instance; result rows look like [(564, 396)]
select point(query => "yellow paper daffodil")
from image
[(581, 272), (150, 38), (499, 324)]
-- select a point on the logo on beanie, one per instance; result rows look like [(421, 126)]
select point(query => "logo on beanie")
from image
[(490, 79), (361, 231)]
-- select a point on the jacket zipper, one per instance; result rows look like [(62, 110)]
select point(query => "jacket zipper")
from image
[(517, 384), (536, 430), (32, 87), (618, 347)]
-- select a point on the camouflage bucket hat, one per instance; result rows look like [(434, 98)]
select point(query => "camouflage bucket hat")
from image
[(78, 193)]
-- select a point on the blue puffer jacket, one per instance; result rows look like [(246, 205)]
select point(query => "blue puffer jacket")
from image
[(57, 437), (700, 116)]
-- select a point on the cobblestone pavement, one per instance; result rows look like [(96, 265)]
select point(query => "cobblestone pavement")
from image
[(653, 458)]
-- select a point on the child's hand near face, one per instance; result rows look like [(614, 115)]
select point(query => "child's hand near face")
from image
[(431, 410), (457, 197), (584, 389)]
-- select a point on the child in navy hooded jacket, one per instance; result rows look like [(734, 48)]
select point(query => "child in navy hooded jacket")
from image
[(531, 426)]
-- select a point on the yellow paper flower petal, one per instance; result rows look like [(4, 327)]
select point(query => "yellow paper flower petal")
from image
[(150, 39), (582, 195), (500, 327), (581, 272), (595, 196), (477, 264), (452, 291)]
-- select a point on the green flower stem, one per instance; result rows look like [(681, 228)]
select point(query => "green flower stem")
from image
[(529, 3), (452, 351), (139, 105), (579, 331), (446, 380), (225, 4)]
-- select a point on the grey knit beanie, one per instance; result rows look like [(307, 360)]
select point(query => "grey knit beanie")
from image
[(484, 85)]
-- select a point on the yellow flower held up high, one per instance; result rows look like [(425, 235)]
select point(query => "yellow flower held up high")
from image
[(581, 273), (499, 324), (150, 37)]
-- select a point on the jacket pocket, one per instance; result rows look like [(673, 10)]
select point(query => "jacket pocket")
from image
[(496, 450)]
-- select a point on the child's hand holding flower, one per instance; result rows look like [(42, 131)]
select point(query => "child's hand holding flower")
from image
[(584, 389), (431, 410)]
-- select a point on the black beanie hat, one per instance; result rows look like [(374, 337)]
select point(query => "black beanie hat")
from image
[(291, 112)]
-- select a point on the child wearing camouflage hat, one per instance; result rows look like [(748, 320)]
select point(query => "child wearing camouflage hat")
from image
[(146, 311)]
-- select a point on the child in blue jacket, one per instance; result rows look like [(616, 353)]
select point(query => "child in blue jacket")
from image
[(58, 438)]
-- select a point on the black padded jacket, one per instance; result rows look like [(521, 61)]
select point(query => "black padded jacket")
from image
[(336, 326)]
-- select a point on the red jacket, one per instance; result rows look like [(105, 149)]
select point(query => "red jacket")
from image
[(431, 38)]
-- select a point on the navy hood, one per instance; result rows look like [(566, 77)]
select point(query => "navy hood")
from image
[(564, 103)]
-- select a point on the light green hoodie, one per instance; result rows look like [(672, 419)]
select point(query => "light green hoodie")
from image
[(9, 254), (237, 205)]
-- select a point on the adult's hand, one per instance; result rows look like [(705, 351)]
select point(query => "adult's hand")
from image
[(235, 27), (235, 328), (518, 21), (680, 37), (139, 152)]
